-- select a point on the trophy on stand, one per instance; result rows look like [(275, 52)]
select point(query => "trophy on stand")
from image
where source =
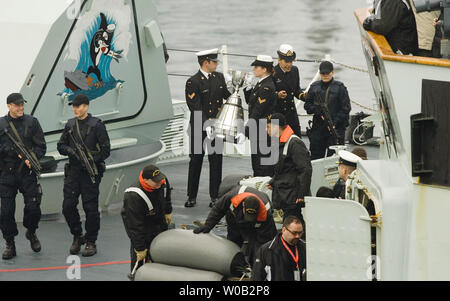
[(230, 120)]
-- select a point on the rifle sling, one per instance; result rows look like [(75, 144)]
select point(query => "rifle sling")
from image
[(326, 106), (86, 148), (326, 96)]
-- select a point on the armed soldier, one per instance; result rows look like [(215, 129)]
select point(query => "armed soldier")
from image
[(205, 92), (287, 83), (328, 100), (22, 144), (87, 144)]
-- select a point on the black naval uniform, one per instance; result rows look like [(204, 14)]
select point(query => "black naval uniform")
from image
[(142, 225), (339, 107), (16, 176), (339, 189), (77, 180), (289, 82), (238, 230), (261, 102), (204, 95)]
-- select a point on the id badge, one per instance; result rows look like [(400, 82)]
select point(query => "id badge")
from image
[(296, 275)]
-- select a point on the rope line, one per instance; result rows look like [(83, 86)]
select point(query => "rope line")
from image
[(363, 106), (297, 60)]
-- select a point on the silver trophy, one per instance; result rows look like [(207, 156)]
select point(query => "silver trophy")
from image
[(230, 120)]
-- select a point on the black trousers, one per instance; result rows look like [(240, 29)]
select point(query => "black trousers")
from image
[(293, 122), (261, 168), (237, 236), (26, 183), (296, 211), (321, 140), (215, 159), (77, 182), (134, 257)]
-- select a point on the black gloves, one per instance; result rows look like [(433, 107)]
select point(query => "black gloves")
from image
[(367, 24), (202, 229)]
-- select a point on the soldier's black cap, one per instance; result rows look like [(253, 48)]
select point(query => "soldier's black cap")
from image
[(279, 117), (326, 67), (80, 99), (251, 207), (15, 98), (153, 173)]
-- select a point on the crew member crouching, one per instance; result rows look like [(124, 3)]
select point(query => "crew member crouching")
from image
[(146, 211), (248, 215)]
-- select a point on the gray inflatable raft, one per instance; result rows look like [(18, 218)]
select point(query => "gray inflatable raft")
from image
[(161, 272), (206, 252)]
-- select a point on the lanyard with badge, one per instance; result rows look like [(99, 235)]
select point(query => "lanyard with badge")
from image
[(295, 258)]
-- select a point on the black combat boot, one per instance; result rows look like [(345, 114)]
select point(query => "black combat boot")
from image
[(78, 241), (213, 202), (190, 203), (10, 251), (34, 241), (89, 250)]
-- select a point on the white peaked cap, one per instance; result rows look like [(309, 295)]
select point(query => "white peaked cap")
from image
[(348, 158), (264, 58), (285, 48), (206, 52)]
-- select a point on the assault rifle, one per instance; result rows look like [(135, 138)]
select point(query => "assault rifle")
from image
[(325, 114), (24, 153), (83, 153)]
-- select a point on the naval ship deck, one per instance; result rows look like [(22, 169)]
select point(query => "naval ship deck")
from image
[(112, 260)]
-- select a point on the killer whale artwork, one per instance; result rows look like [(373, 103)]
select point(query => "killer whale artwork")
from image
[(94, 48), (101, 45)]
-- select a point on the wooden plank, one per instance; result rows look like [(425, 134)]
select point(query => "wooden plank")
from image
[(384, 50)]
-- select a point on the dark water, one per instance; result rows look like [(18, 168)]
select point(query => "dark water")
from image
[(313, 27)]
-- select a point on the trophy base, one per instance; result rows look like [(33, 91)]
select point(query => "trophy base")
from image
[(227, 138)]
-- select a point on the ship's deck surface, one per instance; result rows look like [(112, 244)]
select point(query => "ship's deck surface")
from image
[(111, 261)]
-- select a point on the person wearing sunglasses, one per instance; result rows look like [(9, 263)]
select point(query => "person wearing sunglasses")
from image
[(328, 100), (146, 211), (283, 258)]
